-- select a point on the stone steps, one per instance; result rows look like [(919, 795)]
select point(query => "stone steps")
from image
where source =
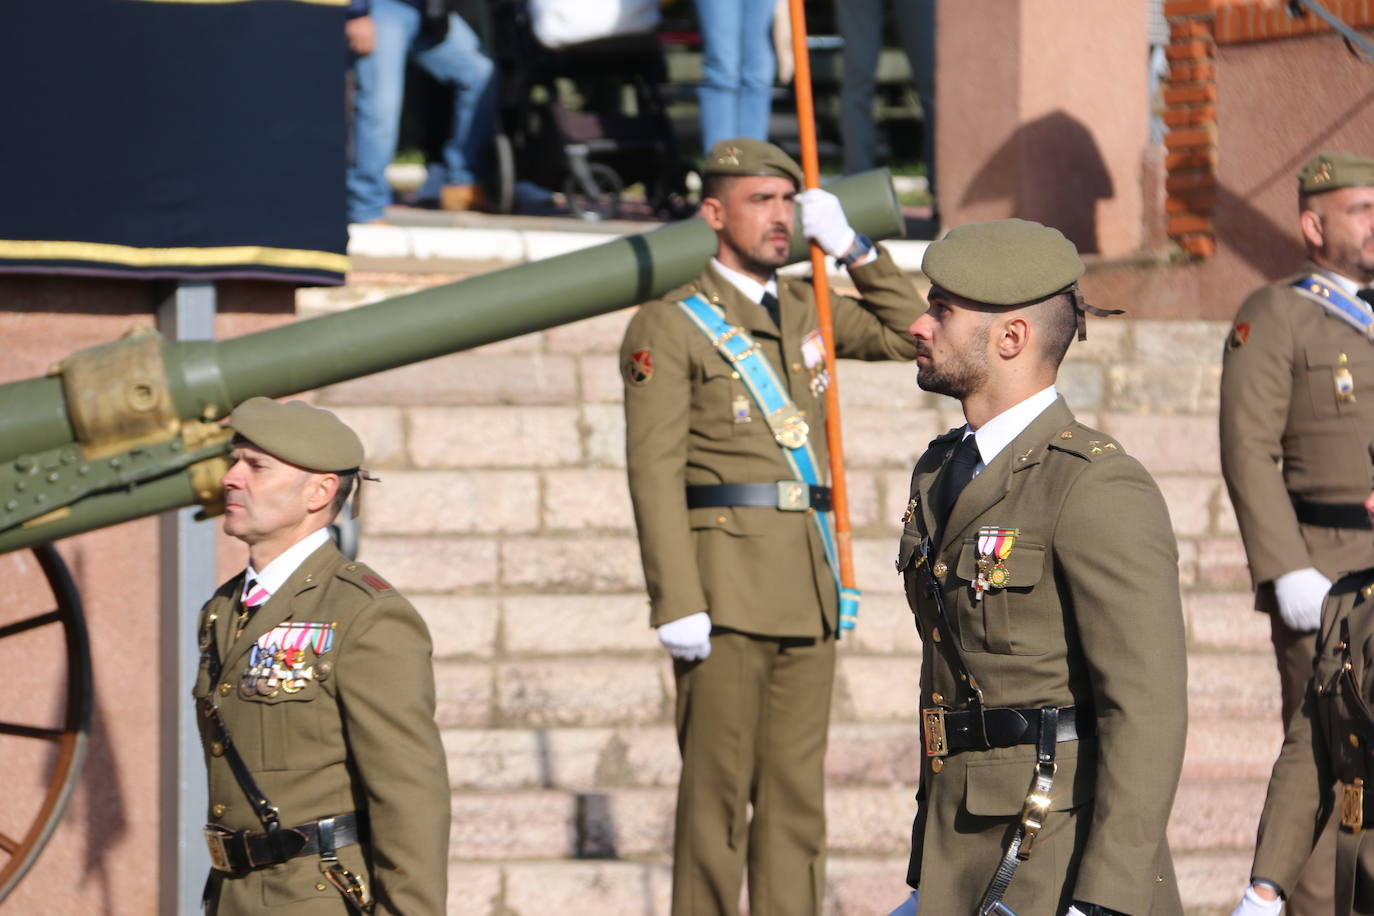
[(504, 515)]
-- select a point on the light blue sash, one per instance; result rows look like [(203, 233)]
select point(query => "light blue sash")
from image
[(783, 419), (1353, 311)]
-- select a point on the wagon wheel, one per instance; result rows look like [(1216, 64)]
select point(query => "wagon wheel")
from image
[(39, 761)]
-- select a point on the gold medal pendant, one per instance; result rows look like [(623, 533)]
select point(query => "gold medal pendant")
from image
[(994, 546), (998, 575)]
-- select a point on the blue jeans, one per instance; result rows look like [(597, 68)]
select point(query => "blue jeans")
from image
[(457, 62), (738, 69)]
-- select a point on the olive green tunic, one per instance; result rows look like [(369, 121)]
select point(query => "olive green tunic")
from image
[(1090, 616), (1285, 429), (1325, 743), (359, 737), (752, 718)]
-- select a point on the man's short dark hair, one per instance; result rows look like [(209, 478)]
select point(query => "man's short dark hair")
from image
[(716, 185), (347, 479), (1058, 321)]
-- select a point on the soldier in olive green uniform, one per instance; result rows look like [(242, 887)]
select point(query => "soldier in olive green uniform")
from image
[(1297, 410), (739, 585), (1327, 764), (328, 785), (1041, 566)]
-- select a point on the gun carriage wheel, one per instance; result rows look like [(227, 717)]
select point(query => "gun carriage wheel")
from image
[(45, 702)]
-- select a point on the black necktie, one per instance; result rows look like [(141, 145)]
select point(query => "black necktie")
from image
[(957, 474), (770, 303), (1367, 294)]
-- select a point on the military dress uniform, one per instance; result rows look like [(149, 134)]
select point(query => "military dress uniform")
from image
[(760, 571), (1326, 767), (325, 695), (1053, 678)]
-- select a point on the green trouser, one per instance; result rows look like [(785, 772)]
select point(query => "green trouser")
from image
[(751, 723), (1294, 651)]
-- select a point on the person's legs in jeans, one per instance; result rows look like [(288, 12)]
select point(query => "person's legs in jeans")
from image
[(377, 108), (459, 62), (860, 23), (719, 21), (758, 67)]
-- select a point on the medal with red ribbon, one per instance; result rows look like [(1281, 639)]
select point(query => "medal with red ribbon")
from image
[(994, 546)]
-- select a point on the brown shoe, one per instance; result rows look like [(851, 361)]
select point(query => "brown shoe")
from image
[(462, 197)]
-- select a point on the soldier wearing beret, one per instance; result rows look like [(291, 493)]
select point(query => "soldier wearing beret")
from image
[(740, 586), (1297, 410), (1040, 563), (328, 785), (1325, 770)]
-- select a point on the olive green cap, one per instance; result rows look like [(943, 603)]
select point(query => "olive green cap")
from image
[(1329, 170), (747, 156), (1005, 262), (295, 432)]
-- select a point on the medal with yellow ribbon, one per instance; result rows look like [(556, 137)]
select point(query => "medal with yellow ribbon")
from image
[(994, 546)]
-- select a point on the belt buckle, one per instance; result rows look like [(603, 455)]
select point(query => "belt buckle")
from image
[(793, 496), (1352, 806), (933, 721), (214, 839)]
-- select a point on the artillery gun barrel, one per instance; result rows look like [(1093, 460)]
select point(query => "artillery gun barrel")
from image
[(130, 429)]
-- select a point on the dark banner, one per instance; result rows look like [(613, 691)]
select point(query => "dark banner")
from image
[(169, 139)]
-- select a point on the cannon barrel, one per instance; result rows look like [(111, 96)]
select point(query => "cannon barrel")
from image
[(131, 428)]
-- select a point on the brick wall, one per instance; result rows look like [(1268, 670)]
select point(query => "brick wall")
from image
[(503, 513), (1196, 29)]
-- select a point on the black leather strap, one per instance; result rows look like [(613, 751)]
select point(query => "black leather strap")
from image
[(763, 495), (1331, 515), (967, 684), (1033, 815), (247, 850), (1004, 727)]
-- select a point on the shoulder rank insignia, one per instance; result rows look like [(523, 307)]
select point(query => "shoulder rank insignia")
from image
[(994, 546), (376, 583)]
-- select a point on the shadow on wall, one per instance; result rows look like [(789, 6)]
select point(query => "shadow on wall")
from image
[(1051, 171)]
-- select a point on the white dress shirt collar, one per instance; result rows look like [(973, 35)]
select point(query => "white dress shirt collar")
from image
[(752, 289), (998, 433), (280, 569)]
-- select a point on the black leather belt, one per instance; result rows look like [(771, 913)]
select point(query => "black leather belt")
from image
[(249, 849), (787, 495), (1331, 515), (960, 730)]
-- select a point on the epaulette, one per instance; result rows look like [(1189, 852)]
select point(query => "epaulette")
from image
[(364, 578), (1085, 442)]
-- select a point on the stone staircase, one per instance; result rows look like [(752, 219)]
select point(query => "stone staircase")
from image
[(504, 515)]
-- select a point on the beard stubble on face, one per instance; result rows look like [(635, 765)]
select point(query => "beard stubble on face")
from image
[(964, 370)]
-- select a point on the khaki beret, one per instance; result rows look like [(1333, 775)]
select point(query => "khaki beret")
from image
[(1329, 170), (1005, 262), (295, 432), (747, 156)]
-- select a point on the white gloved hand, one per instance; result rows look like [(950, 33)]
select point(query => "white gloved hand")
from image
[(687, 638), (908, 907), (823, 221), (1252, 904), (1300, 595), (1073, 911)]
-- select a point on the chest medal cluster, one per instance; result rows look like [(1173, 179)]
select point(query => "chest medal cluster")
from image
[(279, 660), (813, 354), (994, 546)]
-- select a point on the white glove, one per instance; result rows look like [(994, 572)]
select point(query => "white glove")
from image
[(1073, 911), (1300, 595), (687, 638), (824, 222), (908, 907), (1252, 904)]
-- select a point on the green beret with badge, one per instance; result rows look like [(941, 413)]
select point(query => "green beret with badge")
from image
[(1009, 263), (299, 434), (747, 156), (1329, 170)]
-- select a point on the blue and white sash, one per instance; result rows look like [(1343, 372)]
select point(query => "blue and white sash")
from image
[(783, 419), (1330, 296)]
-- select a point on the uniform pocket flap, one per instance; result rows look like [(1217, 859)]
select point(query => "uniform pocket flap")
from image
[(1024, 565), (1328, 356), (725, 518), (998, 788)]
